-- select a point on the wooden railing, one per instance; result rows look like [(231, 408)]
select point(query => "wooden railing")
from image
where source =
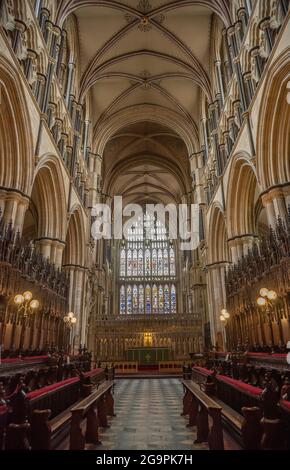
[(266, 420), (32, 411), (200, 407), (95, 409)]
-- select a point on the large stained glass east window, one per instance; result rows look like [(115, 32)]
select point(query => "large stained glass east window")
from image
[(147, 271)]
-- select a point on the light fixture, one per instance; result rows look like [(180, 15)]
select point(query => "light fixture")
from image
[(261, 301), (272, 295), (27, 296), (264, 292), (34, 304), (224, 315), (266, 297), (19, 299), (70, 319), (25, 303)]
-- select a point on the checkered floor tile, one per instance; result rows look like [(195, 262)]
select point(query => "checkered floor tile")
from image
[(148, 417)]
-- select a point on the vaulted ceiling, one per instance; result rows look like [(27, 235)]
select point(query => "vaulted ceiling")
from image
[(146, 52), (146, 162)]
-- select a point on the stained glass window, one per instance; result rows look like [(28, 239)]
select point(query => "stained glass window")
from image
[(155, 299), (147, 263), (172, 262), (135, 300), (173, 299), (161, 300), (129, 300), (165, 263), (160, 262), (141, 299), (122, 300), (166, 299), (154, 263), (129, 263), (123, 263), (140, 263), (135, 263), (148, 257), (148, 299)]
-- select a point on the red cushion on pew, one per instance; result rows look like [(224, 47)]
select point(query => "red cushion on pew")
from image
[(258, 354), (35, 358), (3, 409), (49, 388), (239, 385), (11, 360), (203, 370), (93, 372), (285, 404), (279, 355)]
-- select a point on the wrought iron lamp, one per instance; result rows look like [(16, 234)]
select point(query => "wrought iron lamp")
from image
[(70, 320), (225, 316), (25, 303), (267, 301)]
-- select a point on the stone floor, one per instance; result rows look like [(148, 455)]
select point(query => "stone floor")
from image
[(148, 417)]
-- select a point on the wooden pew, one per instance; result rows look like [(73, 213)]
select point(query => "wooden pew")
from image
[(53, 401), (201, 407), (95, 409), (242, 411)]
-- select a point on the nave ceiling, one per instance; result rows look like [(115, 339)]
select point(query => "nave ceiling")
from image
[(139, 53)]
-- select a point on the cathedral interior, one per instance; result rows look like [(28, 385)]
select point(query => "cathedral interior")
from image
[(164, 103)]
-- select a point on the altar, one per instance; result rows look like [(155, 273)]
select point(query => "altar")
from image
[(148, 356)]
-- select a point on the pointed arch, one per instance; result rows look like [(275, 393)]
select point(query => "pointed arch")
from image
[(218, 251), (49, 198), (241, 197), (74, 253), (16, 148), (273, 149), (150, 113)]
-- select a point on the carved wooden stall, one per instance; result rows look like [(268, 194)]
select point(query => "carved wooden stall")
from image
[(267, 264), (22, 269)]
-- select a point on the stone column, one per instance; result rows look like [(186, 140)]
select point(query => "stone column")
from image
[(205, 136), (220, 80), (275, 203), (71, 71), (30, 67), (247, 118), (14, 206)]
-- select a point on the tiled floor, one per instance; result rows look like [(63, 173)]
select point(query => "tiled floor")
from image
[(148, 417)]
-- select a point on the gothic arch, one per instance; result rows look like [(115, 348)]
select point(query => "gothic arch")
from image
[(218, 251), (74, 253), (241, 197), (49, 197), (142, 113), (15, 132), (273, 148)]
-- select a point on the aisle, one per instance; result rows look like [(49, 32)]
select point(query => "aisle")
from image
[(148, 417)]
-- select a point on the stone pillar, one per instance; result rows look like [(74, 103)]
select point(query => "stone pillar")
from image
[(220, 80), (71, 71), (275, 203), (247, 118), (30, 66), (14, 208), (205, 136), (76, 305), (216, 297), (44, 247)]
